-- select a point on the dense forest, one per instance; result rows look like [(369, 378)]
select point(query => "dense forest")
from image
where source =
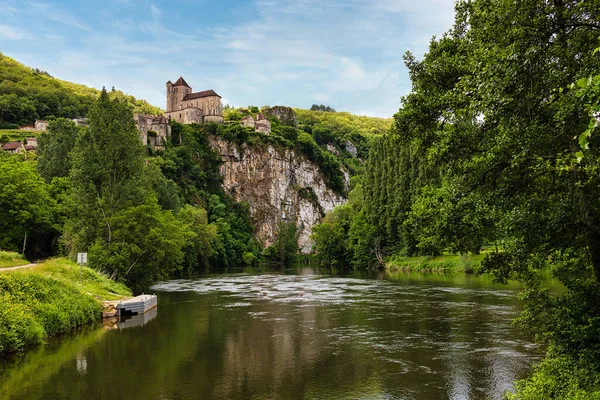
[(497, 145), (27, 94)]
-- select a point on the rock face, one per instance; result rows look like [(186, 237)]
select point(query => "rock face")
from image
[(286, 115), (280, 185), (351, 148)]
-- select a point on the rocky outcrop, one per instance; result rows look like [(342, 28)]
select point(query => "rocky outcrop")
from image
[(280, 185), (351, 148), (286, 115)]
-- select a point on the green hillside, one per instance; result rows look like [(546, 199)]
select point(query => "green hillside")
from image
[(344, 122), (27, 94)]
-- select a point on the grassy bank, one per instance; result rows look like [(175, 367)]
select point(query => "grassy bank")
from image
[(11, 259), (49, 299), (442, 263)]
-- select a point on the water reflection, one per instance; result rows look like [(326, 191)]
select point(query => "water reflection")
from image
[(307, 335), (130, 321)]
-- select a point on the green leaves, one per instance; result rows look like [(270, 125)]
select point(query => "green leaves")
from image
[(25, 201)]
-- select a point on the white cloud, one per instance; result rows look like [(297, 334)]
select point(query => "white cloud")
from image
[(52, 13), (345, 53), (12, 33)]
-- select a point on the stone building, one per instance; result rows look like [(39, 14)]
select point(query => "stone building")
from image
[(259, 124), (41, 125), (154, 130), (262, 124), (187, 107)]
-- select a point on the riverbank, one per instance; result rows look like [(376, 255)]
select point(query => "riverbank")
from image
[(443, 263), (49, 299)]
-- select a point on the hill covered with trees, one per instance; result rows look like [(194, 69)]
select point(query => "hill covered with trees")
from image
[(27, 94)]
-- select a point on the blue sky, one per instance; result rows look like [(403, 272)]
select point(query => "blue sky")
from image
[(342, 53)]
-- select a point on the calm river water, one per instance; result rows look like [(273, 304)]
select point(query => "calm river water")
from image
[(296, 334)]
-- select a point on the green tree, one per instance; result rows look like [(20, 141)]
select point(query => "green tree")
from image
[(146, 245), (26, 204), (285, 249), (107, 173), (55, 147)]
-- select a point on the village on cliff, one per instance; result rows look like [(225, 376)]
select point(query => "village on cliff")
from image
[(183, 106)]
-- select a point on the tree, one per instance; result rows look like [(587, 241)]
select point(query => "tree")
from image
[(331, 237), (146, 245), (26, 204), (285, 248), (54, 149), (492, 119), (107, 173)]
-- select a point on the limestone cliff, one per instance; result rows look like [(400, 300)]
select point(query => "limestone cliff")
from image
[(280, 185)]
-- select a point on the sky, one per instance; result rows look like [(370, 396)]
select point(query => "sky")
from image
[(346, 54)]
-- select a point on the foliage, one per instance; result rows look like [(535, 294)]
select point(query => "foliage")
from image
[(146, 245), (11, 259), (482, 150), (285, 249), (321, 107), (442, 263), (193, 165), (559, 377), (497, 143), (54, 149), (331, 237), (49, 299), (27, 94), (108, 162), (26, 204), (114, 202)]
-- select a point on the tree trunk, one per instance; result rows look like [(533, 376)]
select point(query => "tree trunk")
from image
[(593, 240)]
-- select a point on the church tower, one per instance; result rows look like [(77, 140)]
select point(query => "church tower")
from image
[(180, 89), (170, 97)]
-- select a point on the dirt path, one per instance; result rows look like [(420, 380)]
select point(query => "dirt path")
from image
[(19, 267)]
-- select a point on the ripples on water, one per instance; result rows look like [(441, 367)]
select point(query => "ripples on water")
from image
[(304, 336), (460, 329)]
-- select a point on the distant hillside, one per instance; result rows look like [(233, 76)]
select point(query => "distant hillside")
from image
[(344, 122), (27, 94)]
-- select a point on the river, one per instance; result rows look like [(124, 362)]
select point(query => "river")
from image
[(303, 333)]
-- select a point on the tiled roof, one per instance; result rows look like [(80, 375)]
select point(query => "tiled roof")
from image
[(159, 119), (197, 95), (181, 82), (12, 145)]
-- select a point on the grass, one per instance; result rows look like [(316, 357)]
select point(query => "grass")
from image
[(11, 259), (49, 299), (442, 263)]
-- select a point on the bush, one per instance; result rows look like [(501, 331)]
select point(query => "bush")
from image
[(560, 377), (8, 125)]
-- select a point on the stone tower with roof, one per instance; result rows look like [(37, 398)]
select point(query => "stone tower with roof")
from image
[(187, 107)]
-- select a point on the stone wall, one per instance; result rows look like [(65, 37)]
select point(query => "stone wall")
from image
[(272, 181)]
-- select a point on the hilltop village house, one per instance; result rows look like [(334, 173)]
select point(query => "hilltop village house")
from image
[(260, 123), (29, 144), (187, 107), (183, 106), (154, 130)]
